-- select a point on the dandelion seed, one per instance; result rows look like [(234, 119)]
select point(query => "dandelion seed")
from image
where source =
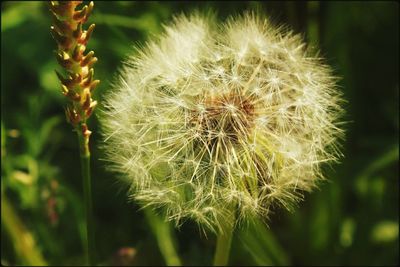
[(222, 120)]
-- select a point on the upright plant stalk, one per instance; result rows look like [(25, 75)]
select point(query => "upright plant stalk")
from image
[(224, 241), (163, 234), (23, 240), (77, 85), (87, 189)]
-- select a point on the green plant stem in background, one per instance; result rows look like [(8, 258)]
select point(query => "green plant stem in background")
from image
[(87, 188), (162, 232), (313, 31), (77, 86), (262, 244), (224, 240), (23, 241)]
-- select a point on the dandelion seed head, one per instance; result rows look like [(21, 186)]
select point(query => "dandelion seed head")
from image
[(210, 120)]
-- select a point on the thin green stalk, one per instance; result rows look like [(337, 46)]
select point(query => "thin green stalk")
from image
[(23, 241), (163, 234), (90, 249), (224, 240), (77, 86), (313, 23)]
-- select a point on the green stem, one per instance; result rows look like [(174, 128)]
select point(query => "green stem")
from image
[(23, 241), (87, 191), (224, 240), (164, 236), (313, 23)]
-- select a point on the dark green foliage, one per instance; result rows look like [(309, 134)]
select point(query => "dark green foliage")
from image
[(352, 219)]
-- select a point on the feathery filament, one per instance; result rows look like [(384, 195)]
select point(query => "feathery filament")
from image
[(209, 121)]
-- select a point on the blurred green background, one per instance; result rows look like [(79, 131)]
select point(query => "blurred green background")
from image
[(352, 219)]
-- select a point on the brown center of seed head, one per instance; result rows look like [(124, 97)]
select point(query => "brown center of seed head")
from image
[(228, 116)]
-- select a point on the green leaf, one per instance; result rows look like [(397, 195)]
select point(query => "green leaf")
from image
[(18, 13), (385, 231), (262, 244), (48, 126), (147, 22)]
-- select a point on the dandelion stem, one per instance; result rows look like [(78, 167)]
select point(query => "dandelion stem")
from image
[(164, 236), (224, 240), (87, 188)]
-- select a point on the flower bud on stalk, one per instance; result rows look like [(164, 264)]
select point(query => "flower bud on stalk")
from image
[(78, 83)]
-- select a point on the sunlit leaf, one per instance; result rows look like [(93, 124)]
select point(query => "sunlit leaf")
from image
[(385, 231)]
